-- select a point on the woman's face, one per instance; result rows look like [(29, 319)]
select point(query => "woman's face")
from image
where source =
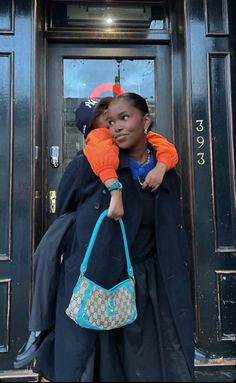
[(127, 123)]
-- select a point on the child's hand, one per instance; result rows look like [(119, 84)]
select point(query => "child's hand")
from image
[(116, 209), (155, 176)]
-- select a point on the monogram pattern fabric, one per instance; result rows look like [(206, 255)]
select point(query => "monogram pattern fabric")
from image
[(93, 307)]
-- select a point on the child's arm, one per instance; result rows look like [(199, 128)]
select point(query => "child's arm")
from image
[(165, 151), (167, 158), (102, 154), (154, 178)]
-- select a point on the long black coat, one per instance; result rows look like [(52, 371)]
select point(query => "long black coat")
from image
[(81, 190)]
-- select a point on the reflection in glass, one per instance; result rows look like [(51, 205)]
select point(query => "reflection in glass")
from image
[(6, 16), (116, 17), (85, 78), (108, 17)]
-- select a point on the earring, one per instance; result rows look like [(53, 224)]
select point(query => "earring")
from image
[(145, 131)]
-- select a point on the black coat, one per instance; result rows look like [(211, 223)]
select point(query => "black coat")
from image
[(80, 189)]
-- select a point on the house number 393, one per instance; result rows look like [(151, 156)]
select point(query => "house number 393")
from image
[(200, 142)]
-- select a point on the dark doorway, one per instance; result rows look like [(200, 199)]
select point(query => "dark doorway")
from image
[(76, 72)]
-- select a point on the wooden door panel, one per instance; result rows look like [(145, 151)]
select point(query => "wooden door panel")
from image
[(16, 175), (212, 116)]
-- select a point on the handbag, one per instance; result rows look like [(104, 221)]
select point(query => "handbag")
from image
[(94, 307)]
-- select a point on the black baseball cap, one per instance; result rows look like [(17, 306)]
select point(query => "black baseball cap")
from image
[(85, 115)]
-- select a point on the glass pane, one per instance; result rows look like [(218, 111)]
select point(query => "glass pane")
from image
[(108, 18), (82, 79), (6, 15)]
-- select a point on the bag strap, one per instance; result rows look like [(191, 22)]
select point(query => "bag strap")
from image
[(84, 264)]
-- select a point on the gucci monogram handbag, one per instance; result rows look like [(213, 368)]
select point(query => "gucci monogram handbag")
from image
[(93, 307)]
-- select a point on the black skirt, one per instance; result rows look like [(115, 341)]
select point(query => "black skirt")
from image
[(144, 351)]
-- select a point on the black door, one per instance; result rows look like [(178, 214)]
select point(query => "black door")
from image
[(211, 40), (16, 111)]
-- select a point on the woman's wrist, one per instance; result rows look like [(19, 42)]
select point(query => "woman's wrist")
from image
[(117, 185), (116, 194)]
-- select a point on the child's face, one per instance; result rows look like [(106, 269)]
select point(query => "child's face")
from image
[(101, 121)]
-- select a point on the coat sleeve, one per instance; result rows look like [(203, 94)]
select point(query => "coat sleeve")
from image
[(166, 152), (102, 153), (68, 192)]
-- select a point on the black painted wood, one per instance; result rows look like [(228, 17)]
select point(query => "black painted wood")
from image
[(197, 62), (211, 88), (16, 126)]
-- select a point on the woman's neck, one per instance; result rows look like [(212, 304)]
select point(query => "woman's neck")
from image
[(139, 153)]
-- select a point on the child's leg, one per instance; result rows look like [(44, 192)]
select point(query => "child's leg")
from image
[(47, 260), (46, 264)]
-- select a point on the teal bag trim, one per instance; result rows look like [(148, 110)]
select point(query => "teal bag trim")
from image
[(81, 311), (93, 284), (84, 264)]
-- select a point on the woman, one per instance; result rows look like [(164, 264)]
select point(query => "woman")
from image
[(158, 346)]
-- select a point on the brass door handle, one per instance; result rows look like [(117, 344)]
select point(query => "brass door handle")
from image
[(52, 199)]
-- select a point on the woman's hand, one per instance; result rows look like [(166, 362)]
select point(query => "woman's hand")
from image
[(155, 176), (116, 209)]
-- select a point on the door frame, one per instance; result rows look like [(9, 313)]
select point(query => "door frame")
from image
[(56, 53)]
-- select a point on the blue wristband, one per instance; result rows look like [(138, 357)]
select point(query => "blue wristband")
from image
[(115, 186)]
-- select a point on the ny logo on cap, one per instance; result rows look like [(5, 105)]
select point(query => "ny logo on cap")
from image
[(90, 103), (84, 128)]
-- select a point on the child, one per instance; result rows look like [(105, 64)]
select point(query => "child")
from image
[(102, 152)]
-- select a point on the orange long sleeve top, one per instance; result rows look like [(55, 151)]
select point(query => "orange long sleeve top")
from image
[(103, 154)]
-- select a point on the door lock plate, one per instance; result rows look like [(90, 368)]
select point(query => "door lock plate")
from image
[(54, 156), (52, 198)]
